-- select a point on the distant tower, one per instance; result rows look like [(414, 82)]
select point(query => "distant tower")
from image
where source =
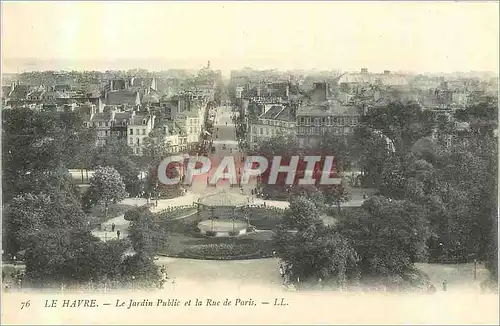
[(208, 65)]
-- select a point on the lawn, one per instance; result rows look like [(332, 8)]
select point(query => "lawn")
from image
[(254, 245), (461, 275), (265, 218), (176, 213), (184, 240)]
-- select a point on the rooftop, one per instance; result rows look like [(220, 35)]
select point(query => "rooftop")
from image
[(327, 108), (139, 119), (278, 112), (368, 78), (141, 82), (121, 98), (224, 199), (102, 116)]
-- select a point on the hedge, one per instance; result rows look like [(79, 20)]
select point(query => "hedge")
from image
[(176, 212), (229, 250)]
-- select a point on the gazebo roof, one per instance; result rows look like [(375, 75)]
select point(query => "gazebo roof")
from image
[(224, 199)]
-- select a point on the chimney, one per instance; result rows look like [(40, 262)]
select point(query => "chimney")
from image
[(287, 90), (364, 70), (387, 72), (111, 85)]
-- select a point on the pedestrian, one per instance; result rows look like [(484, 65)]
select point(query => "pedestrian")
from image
[(113, 227), (364, 196), (118, 234), (445, 286)]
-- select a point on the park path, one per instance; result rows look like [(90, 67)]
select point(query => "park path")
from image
[(105, 232)]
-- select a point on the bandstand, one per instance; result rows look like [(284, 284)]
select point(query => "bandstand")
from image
[(223, 214)]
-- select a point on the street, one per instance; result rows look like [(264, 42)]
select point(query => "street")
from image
[(225, 143)]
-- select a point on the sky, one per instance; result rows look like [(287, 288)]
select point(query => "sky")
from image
[(404, 36)]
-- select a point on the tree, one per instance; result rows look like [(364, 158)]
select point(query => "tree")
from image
[(33, 143), (402, 123), (129, 170), (86, 150), (106, 187), (136, 213), (337, 146), (156, 147), (317, 252), (311, 193), (372, 151), (72, 256), (337, 194), (388, 235), (146, 235), (60, 255), (111, 153), (285, 146), (486, 110), (141, 270), (301, 214), (29, 214)]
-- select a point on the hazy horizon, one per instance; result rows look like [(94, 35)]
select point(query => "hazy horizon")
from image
[(423, 37)]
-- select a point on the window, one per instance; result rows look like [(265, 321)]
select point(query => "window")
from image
[(143, 131), (131, 131), (261, 131), (106, 133), (138, 141), (106, 124), (267, 131), (131, 141)]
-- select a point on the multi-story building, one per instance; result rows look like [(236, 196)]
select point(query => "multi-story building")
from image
[(190, 123), (321, 115), (275, 120), (102, 121), (119, 125), (172, 137), (139, 126), (133, 127)]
